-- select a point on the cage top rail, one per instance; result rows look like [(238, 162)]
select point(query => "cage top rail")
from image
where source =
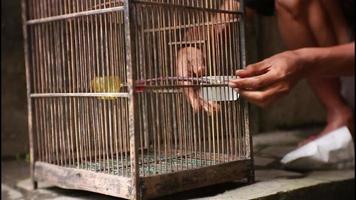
[(121, 8), (74, 15), (172, 5), (44, 95)]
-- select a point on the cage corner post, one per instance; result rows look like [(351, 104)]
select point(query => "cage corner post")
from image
[(134, 190), (28, 93), (247, 116)]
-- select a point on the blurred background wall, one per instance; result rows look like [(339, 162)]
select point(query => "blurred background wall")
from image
[(14, 137), (300, 108)]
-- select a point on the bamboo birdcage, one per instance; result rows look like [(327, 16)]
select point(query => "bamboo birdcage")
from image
[(117, 140)]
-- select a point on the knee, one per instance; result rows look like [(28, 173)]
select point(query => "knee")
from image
[(294, 8)]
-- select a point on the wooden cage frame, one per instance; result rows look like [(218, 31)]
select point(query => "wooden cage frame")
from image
[(134, 187)]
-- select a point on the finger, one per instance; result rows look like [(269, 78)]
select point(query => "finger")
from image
[(265, 97), (183, 68), (196, 59), (199, 70), (253, 70), (257, 98), (210, 107), (193, 99), (253, 83)]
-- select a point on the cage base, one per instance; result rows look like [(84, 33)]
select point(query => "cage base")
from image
[(150, 186), (80, 179), (156, 186)]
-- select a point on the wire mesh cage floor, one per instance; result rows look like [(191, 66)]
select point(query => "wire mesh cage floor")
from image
[(95, 121), (162, 165)]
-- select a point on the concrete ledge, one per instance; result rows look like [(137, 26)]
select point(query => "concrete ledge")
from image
[(343, 190), (317, 185)]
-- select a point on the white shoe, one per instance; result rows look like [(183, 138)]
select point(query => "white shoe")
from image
[(333, 150)]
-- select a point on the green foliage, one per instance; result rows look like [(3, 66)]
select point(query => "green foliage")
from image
[(27, 157), (17, 157)]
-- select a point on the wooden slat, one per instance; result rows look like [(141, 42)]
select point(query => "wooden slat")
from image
[(156, 186), (103, 95), (74, 15), (70, 178)]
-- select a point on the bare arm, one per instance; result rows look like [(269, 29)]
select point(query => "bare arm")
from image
[(262, 83), (221, 18), (218, 20), (330, 61)]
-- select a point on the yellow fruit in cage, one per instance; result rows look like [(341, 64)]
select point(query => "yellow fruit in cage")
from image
[(106, 84)]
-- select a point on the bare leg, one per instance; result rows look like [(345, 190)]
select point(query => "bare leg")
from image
[(329, 28), (338, 21), (300, 29)]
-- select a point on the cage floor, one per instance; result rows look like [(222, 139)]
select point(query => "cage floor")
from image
[(154, 164)]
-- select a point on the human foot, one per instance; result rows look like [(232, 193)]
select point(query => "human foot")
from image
[(336, 119)]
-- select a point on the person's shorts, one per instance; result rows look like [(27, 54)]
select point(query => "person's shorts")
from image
[(262, 7), (347, 7)]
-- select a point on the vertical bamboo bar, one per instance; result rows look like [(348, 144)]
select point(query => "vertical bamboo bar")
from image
[(28, 89), (135, 195), (249, 144)]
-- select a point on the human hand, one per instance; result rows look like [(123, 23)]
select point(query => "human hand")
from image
[(190, 63), (264, 82)]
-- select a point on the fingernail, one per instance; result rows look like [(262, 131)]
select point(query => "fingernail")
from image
[(235, 81), (238, 71)]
